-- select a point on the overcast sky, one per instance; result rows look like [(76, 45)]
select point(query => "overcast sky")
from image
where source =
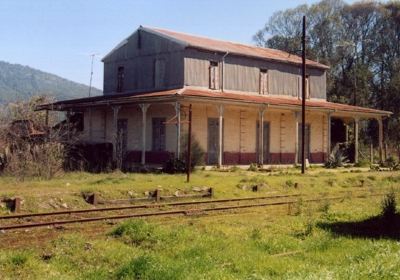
[(57, 36)]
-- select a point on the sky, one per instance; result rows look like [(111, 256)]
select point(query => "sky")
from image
[(58, 36)]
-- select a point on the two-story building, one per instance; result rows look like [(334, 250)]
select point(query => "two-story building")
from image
[(246, 102)]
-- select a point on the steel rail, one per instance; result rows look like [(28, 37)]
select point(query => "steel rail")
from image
[(172, 212), (147, 205)]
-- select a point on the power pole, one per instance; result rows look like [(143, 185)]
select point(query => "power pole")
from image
[(303, 99)]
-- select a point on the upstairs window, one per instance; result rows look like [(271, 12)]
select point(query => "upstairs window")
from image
[(159, 73), (263, 81), (214, 75), (120, 78), (307, 87)]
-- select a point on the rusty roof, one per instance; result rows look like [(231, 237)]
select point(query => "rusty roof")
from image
[(235, 48), (194, 93)]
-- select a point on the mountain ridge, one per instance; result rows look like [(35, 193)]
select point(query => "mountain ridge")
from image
[(21, 82)]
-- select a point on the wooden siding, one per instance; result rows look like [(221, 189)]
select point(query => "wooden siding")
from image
[(243, 74), (139, 64)]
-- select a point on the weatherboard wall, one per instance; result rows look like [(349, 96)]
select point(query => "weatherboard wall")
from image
[(138, 60), (243, 74)]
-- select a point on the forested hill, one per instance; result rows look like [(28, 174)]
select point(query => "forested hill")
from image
[(18, 82)]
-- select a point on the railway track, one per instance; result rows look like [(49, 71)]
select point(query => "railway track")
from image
[(58, 218)]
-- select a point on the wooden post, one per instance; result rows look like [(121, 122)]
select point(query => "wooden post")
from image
[(157, 195), (328, 148), (16, 205), (303, 100), (261, 135), (93, 199), (211, 192), (356, 124), (115, 130), (178, 129), (144, 108), (220, 142), (296, 140), (371, 153), (189, 147), (380, 128)]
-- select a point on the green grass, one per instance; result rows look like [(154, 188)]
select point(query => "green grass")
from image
[(254, 245), (321, 240), (42, 195)]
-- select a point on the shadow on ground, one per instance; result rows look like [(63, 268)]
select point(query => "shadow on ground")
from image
[(374, 227)]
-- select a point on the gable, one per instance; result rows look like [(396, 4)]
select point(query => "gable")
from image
[(143, 42)]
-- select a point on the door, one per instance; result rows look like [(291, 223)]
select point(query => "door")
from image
[(213, 140), (122, 139), (307, 142), (265, 141), (158, 142)]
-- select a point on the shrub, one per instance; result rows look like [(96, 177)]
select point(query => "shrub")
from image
[(389, 205), (138, 268), (336, 159), (391, 163), (197, 153), (136, 232), (253, 167), (174, 165)]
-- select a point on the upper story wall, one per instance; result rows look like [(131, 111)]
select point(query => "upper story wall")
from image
[(243, 74), (138, 55)]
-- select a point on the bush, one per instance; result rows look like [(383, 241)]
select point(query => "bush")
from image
[(391, 163), (197, 153), (174, 165), (389, 205), (136, 232), (253, 167), (336, 159)]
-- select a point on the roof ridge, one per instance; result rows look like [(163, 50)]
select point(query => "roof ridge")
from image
[(277, 51)]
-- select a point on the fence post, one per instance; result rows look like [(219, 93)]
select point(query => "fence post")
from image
[(211, 192), (93, 199), (16, 207), (157, 195)]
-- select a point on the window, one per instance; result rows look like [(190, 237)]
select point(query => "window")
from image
[(214, 75), (307, 87), (300, 95), (263, 81), (120, 79), (158, 141), (159, 73)]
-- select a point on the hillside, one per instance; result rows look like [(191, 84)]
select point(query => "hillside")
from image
[(18, 82)]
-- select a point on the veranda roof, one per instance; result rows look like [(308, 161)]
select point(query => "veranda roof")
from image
[(209, 96)]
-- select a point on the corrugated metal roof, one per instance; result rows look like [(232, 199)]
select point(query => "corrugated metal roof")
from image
[(208, 94), (235, 48)]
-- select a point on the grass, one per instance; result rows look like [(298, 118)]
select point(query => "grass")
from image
[(67, 191), (326, 240)]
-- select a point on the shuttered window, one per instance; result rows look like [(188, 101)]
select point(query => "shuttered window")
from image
[(120, 78), (308, 87), (214, 75), (263, 81), (159, 73), (158, 139)]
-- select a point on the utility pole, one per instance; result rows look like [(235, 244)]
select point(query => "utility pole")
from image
[(303, 99)]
